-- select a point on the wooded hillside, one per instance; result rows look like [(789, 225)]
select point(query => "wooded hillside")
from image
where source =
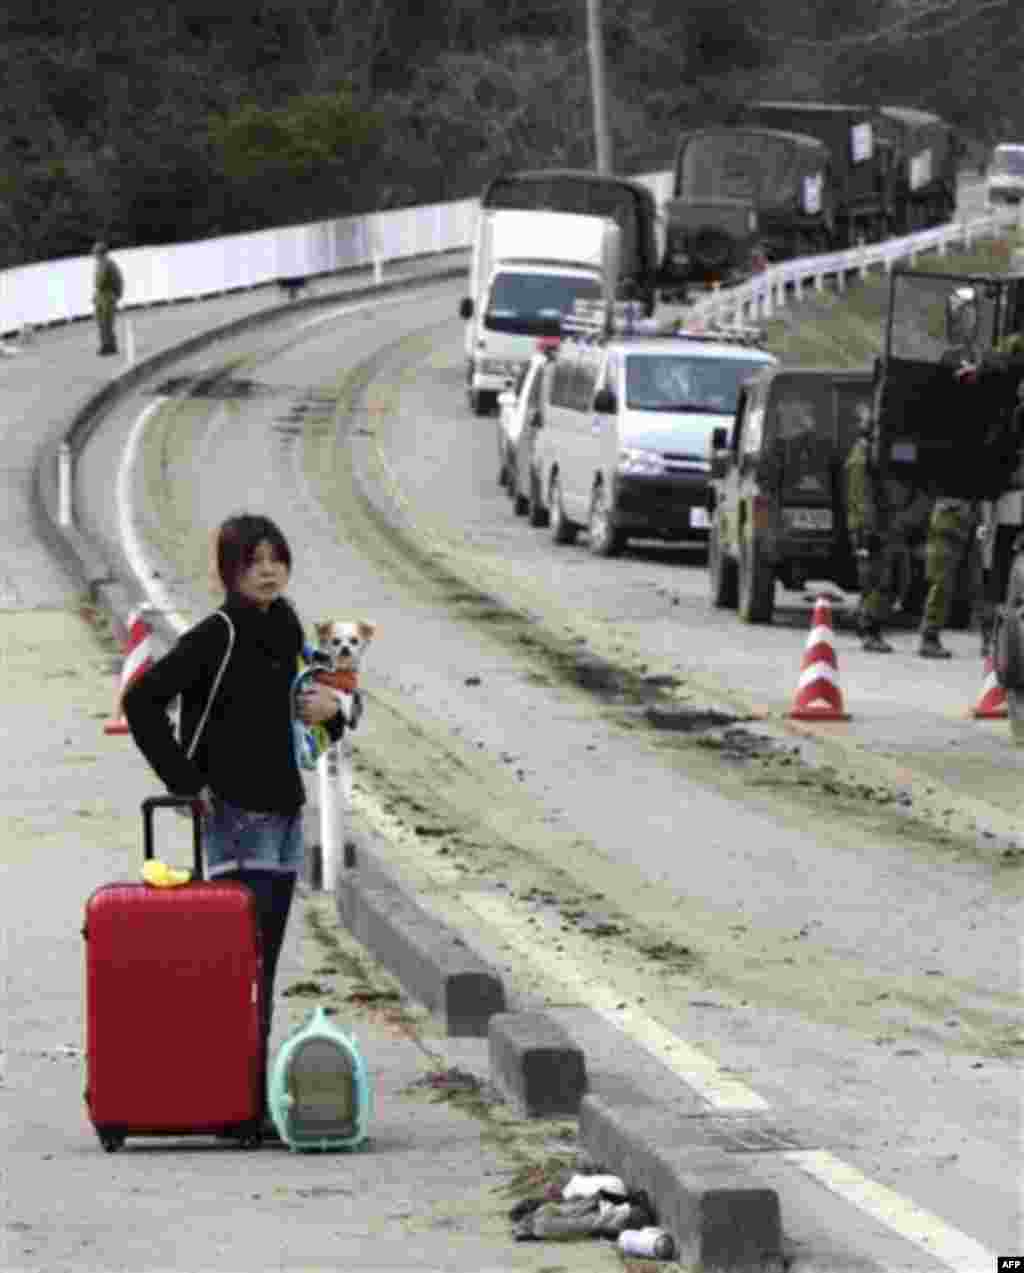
[(149, 123)]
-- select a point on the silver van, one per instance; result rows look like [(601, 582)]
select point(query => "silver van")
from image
[(626, 423)]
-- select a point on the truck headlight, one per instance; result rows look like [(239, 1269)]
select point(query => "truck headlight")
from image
[(633, 462)]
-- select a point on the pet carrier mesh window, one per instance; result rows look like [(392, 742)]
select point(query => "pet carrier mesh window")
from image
[(319, 1090)]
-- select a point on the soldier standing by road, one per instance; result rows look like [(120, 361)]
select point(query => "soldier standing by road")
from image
[(108, 288), (866, 523)]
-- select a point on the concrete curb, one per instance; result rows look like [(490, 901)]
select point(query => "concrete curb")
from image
[(720, 1215), (535, 1064), (433, 963)]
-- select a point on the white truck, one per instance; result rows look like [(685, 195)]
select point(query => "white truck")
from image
[(1005, 179), (529, 268)]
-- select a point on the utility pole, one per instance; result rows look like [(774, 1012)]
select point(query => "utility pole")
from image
[(595, 45)]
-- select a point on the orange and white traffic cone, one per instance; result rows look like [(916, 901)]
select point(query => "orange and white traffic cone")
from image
[(818, 696), (991, 704), (138, 657)]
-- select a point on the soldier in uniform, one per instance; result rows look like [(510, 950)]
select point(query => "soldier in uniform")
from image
[(108, 288), (865, 521)]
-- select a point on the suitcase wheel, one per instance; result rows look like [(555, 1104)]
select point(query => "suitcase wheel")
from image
[(111, 1140), (250, 1140)]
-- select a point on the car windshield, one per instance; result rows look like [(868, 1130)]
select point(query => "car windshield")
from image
[(682, 382), (1008, 162)]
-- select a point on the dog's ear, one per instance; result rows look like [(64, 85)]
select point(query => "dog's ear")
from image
[(366, 629), (323, 630)]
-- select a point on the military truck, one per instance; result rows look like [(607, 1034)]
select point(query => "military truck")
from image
[(863, 146), (946, 420), (743, 197), (927, 158)]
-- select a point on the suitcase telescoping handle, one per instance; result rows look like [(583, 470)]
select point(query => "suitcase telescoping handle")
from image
[(149, 807)]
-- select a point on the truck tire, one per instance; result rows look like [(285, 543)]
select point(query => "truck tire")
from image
[(482, 401), (756, 603)]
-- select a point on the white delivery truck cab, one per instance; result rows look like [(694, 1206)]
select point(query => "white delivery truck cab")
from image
[(528, 269), (1005, 182)]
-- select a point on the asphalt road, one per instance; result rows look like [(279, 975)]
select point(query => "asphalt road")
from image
[(831, 915)]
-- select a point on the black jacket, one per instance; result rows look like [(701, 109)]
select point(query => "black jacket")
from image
[(245, 753)]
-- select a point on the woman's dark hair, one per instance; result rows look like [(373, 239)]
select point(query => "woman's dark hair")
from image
[(237, 541)]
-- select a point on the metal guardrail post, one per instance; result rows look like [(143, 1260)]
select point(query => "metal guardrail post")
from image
[(64, 484)]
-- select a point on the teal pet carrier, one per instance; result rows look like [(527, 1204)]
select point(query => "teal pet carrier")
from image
[(319, 1089)]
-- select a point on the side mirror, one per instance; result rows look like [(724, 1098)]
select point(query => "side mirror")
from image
[(466, 307), (604, 402)]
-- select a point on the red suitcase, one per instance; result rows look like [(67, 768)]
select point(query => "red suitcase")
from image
[(173, 1005)]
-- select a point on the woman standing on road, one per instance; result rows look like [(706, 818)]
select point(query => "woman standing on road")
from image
[(233, 672)]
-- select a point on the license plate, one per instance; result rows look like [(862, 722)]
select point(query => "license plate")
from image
[(809, 518), (699, 519)]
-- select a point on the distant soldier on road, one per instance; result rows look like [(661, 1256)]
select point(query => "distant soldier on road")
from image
[(108, 288)]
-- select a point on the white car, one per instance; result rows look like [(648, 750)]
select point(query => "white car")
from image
[(519, 419), (627, 422), (1006, 174)]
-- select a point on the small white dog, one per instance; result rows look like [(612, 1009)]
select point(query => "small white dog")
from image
[(337, 657)]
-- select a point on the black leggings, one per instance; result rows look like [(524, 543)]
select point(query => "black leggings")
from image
[(273, 891)]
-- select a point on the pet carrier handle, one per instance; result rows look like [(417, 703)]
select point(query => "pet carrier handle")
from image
[(150, 805)]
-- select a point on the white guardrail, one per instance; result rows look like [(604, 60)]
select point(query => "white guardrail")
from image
[(61, 290), (762, 295)]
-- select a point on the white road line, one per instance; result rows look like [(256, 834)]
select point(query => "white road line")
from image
[(159, 598), (692, 1066), (948, 1245)]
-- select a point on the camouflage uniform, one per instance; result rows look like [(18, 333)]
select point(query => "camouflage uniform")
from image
[(952, 532), (866, 523), (108, 288)]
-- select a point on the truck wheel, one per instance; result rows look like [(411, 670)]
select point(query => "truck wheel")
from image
[(756, 585), (563, 531), (721, 573), (482, 402), (605, 538)]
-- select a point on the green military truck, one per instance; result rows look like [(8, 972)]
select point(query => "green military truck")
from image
[(863, 146), (741, 198)]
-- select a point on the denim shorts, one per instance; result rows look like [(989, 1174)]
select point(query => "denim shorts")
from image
[(239, 839)]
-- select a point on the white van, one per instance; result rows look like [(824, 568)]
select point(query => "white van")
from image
[(1006, 174), (626, 427)]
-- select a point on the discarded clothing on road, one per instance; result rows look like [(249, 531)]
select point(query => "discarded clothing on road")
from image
[(597, 1216)]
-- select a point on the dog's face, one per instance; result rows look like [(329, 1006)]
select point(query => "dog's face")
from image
[(344, 644)]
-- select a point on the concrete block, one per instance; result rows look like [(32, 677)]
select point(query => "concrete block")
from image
[(720, 1214), (536, 1064), (434, 966)]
